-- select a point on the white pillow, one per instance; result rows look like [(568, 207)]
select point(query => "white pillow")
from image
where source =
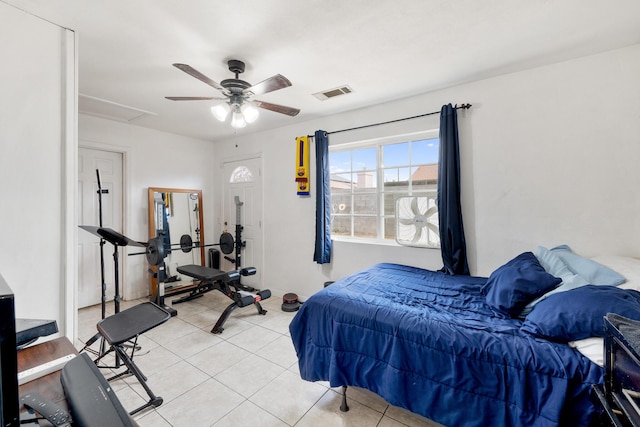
[(627, 266)]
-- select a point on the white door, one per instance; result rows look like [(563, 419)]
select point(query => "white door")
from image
[(109, 164), (243, 179)]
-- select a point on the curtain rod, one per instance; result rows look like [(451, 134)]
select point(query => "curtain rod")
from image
[(463, 106)]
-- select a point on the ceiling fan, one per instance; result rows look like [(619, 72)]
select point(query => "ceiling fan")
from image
[(238, 95)]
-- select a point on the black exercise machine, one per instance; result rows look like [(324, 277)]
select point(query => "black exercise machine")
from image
[(239, 245), (209, 278), (229, 284)]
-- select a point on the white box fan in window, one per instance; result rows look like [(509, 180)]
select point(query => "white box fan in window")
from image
[(417, 221)]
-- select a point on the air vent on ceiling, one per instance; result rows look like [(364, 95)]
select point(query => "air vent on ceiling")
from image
[(332, 93)]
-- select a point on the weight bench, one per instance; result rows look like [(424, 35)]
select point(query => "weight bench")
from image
[(229, 284), (125, 327)]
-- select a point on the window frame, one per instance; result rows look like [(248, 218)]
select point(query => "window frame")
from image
[(380, 216)]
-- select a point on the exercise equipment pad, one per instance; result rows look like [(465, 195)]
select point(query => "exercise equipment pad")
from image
[(229, 284), (207, 274), (131, 322)]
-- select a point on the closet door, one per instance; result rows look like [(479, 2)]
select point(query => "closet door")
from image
[(109, 163)]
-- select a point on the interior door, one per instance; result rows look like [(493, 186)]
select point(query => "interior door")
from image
[(243, 195), (109, 164)]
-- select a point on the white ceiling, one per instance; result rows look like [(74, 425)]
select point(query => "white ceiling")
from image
[(384, 50)]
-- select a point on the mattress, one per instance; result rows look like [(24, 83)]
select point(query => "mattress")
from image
[(430, 343)]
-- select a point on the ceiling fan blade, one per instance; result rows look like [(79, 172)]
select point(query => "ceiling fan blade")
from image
[(269, 85), (198, 75), (192, 98), (277, 108)]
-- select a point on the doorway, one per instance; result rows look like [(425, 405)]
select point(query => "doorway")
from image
[(110, 167), (243, 179)]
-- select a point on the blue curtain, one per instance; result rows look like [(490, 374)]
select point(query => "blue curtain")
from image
[(322, 254), (452, 241)]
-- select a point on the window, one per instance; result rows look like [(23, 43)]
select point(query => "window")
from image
[(241, 174), (367, 178)]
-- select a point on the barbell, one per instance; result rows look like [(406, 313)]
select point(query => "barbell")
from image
[(157, 250)]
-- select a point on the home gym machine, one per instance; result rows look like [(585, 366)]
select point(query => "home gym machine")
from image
[(237, 261), (156, 250), (226, 282), (229, 284)]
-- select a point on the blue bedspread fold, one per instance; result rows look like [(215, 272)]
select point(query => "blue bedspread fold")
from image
[(429, 342)]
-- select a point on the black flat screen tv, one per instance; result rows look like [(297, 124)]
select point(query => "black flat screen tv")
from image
[(10, 407)]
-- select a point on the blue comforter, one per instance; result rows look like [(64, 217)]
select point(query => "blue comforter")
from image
[(430, 343)]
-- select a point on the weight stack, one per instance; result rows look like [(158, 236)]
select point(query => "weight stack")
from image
[(214, 258)]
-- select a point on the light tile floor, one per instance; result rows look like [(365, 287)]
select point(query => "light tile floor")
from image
[(246, 376)]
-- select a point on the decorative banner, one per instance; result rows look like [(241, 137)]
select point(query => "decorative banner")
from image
[(302, 165)]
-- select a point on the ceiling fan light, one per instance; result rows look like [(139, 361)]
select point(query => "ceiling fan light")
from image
[(249, 112), (220, 111), (237, 121)]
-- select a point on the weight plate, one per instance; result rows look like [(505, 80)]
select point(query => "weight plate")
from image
[(290, 307), (155, 251), (290, 298), (226, 243), (186, 243)]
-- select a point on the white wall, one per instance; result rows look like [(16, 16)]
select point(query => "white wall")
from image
[(549, 156), (553, 158), (153, 159), (37, 165)]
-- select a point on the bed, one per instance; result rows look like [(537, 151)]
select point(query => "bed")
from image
[(454, 349)]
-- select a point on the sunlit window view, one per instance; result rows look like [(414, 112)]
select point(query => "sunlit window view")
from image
[(367, 181), (241, 174)]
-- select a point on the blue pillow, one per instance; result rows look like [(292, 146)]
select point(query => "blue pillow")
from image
[(551, 262), (591, 271), (578, 313), (512, 286), (556, 267)]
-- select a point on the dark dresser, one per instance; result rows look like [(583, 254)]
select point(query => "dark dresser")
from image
[(620, 396)]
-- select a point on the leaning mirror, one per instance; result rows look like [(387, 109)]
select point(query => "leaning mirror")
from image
[(173, 214)]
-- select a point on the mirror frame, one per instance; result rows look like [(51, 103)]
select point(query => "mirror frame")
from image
[(151, 208)]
